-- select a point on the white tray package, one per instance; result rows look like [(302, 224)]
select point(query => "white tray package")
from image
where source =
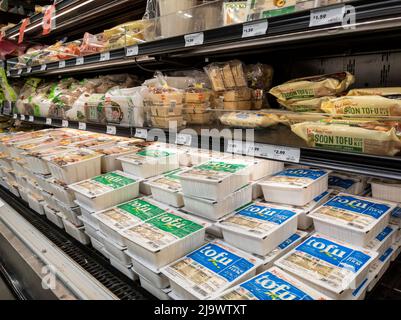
[(333, 267), (344, 183), (61, 192), (116, 251), (215, 179), (36, 204), (161, 294), (87, 215), (35, 159), (74, 166), (353, 219), (256, 189), (144, 188), (77, 233), (383, 241), (150, 162), (124, 269), (157, 279), (71, 214), (260, 168), (106, 190), (379, 267), (213, 230), (215, 210), (389, 190), (113, 220), (273, 284), (259, 227), (395, 218), (295, 186), (164, 238), (209, 270), (281, 249), (54, 216), (360, 292), (304, 221), (166, 188)]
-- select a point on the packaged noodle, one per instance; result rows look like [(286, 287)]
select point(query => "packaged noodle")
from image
[(249, 119), (372, 106), (314, 87), (289, 118), (378, 140), (384, 92), (308, 105)]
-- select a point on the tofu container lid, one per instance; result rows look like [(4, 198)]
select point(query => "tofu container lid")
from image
[(178, 225), (319, 247), (85, 154), (271, 213), (207, 257), (135, 211), (111, 182), (309, 177), (390, 183), (358, 205), (212, 202), (215, 171), (264, 285), (147, 155), (162, 181)]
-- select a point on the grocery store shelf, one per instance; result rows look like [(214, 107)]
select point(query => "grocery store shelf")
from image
[(81, 268), (371, 18), (268, 141)]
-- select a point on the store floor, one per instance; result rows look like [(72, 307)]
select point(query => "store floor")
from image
[(5, 293)]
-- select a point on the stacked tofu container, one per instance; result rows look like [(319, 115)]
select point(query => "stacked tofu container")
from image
[(196, 224)]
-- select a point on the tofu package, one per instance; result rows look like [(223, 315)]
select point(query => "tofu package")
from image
[(383, 241), (215, 179), (259, 227), (340, 182), (389, 190), (379, 267), (273, 284), (353, 219), (333, 267), (295, 186), (209, 270)]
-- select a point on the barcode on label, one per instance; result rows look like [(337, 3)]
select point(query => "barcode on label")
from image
[(132, 51), (183, 139), (111, 130), (254, 29), (61, 64), (194, 39), (82, 126), (64, 124), (141, 133)]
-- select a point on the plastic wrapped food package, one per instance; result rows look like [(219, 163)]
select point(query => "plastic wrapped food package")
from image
[(226, 75), (249, 119), (234, 12), (304, 105)]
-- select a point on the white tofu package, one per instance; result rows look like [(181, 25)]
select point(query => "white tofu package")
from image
[(215, 179), (347, 183), (209, 270), (259, 227), (383, 241), (379, 267), (395, 218), (273, 284), (353, 219), (389, 190), (295, 186), (333, 267), (106, 190)]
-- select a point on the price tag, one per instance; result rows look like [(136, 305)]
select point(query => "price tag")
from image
[(79, 61), (64, 124), (61, 64), (183, 139), (29, 70), (111, 130), (31, 119), (43, 67), (105, 56), (141, 133), (8, 73), (22, 117), (15, 116), (320, 17), (274, 152), (82, 126), (7, 108), (254, 29), (48, 121), (19, 72), (194, 39), (132, 51), (234, 146)]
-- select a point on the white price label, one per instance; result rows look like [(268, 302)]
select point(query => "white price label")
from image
[(29, 70), (8, 73), (31, 119), (320, 17), (15, 116), (183, 139), (48, 121), (234, 146), (64, 124), (141, 133), (254, 29), (111, 130), (19, 72), (79, 61), (132, 51), (61, 64), (43, 67), (105, 56), (82, 126), (194, 39), (22, 117), (274, 152)]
